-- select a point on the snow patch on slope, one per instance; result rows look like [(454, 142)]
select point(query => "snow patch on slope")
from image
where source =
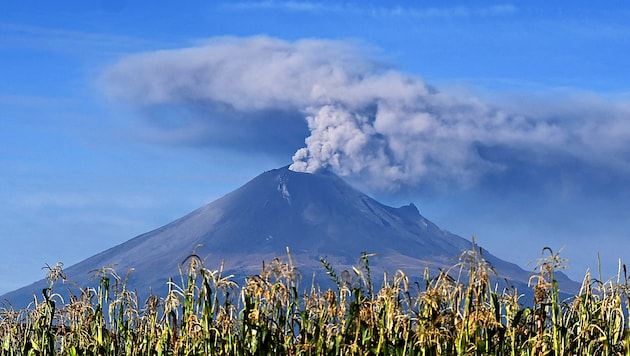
[(282, 188)]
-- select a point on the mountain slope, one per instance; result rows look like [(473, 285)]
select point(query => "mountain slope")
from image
[(316, 215)]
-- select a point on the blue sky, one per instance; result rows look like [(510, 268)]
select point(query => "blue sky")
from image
[(507, 121)]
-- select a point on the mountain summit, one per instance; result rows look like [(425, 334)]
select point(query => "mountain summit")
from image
[(316, 215)]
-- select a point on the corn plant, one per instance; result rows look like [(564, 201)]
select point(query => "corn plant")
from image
[(456, 311)]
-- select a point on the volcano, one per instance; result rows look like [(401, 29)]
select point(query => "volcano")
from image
[(315, 215)]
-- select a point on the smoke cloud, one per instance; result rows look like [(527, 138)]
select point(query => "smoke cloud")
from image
[(356, 115)]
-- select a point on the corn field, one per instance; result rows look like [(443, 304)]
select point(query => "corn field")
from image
[(455, 312)]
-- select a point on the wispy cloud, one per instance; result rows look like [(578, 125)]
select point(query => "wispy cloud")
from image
[(15, 35), (361, 8), (448, 12), (31, 101), (286, 5), (75, 200), (365, 118)]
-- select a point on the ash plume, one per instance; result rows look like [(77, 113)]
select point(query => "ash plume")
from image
[(360, 116)]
